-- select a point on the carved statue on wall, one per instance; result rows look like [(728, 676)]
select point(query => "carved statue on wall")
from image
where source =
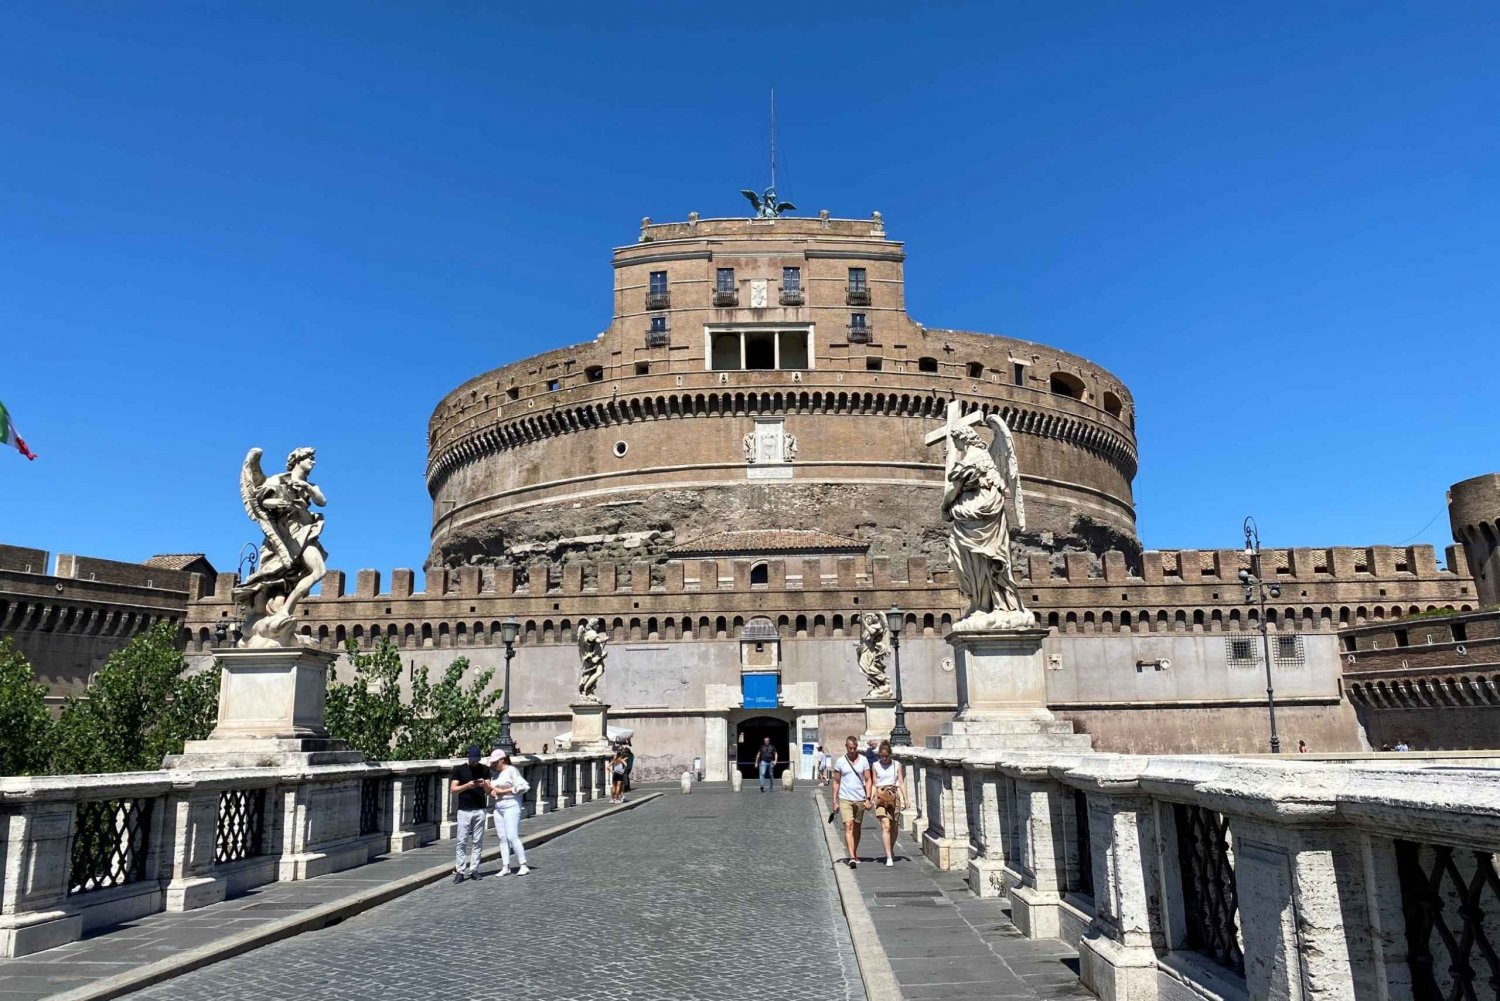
[(788, 447), (749, 446), (874, 649), (592, 636), (979, 482), (292, 558)]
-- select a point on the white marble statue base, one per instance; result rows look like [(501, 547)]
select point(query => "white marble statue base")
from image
[(880, 718), (1002, 695), (270, 713), (590, 727)]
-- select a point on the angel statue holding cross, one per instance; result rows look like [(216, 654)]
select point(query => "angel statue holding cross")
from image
[(979, 482)]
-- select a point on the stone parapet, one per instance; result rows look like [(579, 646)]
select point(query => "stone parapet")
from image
[(83, 852), (1175, 876)]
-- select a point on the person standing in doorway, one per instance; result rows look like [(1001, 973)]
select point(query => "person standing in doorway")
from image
[(469, 783), (853, 794), (820, 766), (890, 797), (766, 757), (509, 789)]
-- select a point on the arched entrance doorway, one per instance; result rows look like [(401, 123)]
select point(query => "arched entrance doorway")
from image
[(748, 735)]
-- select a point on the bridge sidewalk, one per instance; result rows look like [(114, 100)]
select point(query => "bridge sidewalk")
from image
[(940, 940), (126, 957)]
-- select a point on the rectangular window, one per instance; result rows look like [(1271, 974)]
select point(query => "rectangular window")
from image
[(1402, 639), (1460, 632), (725, 280), (552, 385), (658, 324), (858, 282), (1020, 374), (873, 365), (513, 393), (976, 370), (658, 283), (643, 368), (793, 349), (857, 321), (791, 279)]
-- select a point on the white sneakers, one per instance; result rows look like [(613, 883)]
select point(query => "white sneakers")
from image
[(889, 860), (523, 870)]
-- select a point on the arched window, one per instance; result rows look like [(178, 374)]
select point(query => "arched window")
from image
[(1112, 405), (1067, 384), (927, 365), (760, 573)]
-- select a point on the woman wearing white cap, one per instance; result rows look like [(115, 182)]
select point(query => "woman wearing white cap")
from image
[(509, 788)]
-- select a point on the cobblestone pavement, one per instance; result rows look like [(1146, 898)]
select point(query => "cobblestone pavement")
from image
[(714, 895)]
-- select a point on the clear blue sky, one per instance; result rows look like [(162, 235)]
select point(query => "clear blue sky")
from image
[(1278, 223)]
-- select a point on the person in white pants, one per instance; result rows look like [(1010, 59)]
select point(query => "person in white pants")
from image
[(509, 789)]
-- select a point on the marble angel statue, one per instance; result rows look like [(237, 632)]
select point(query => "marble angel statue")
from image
[(292, 558), (979, 482), (874, 648), (592, 636)]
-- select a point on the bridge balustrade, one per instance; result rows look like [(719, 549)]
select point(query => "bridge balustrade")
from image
[(1232, 877), (83, 852)]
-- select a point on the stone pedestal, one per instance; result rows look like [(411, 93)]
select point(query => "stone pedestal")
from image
[(590, 727), (270, 713), (880, 718), (1002, 695)]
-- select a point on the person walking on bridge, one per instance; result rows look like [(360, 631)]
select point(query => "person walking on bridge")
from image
[(768, 758), (509, 789), (469, 783), (853, 794)]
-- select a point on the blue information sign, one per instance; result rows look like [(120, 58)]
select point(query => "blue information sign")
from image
[(760, 690)]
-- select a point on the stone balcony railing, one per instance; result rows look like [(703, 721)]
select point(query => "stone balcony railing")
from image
[(82, 852), (1257, 878)]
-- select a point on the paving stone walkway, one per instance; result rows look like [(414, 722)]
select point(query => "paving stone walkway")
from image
[(944, 942), (714, 895)]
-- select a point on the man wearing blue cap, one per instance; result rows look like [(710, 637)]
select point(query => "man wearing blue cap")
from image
[(469, 783)]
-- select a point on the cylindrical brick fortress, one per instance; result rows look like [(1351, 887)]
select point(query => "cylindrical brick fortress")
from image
[(762, 374), (1474, 515)]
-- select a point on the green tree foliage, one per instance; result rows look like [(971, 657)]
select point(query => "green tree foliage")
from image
[(441, 719), (140, 708), (25, 724)]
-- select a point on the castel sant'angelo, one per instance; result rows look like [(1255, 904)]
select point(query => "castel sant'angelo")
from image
[(744, 460)]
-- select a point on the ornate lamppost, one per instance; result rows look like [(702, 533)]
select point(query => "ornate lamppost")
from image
[(1256, 590), (508, 632), (900, 735)]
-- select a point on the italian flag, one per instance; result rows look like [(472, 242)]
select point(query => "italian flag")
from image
[(8, 434)]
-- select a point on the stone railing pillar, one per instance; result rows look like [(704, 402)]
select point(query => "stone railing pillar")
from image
[(558, 771), (912, 765), (192, 820), (1117, 956), (946, 841), (34, 890), (409, 780), (991, 812), (1043, 814)]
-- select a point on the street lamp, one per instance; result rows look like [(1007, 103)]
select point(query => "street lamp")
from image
[(900, 735), (1256, 589), (508, 632)]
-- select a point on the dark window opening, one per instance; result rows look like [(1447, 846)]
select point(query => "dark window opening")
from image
[(873, 365), (793, 349), (927, 365), (513, 393), (642, 368), (1065, 384), (725, 353), (594, 373), (976, 370), (1402, 639), (1460, 632), (1112, 404), (760, 351), (1020, 374), (858, 281), (760, 574), (552, 385)]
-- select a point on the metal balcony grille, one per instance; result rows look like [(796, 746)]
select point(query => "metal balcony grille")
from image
[(1210, 899), (857, 295), (371, 800), (658, 339), (421, 800), (1449, 897), (1085, 882), (791, 297), (242, 818), (859, 335), (109, 844), (658, 300), (726, 297)]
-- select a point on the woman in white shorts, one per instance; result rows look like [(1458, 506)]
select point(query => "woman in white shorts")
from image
[(509, 789)]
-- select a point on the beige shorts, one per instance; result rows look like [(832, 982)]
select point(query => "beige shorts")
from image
[(851, 812), (881, 811)]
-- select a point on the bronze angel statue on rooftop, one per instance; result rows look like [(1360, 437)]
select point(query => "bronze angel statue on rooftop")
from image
[(766, 204), (292, 558), (979, 482)]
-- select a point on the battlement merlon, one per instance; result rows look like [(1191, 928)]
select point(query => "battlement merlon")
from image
[(870, 229), (1041, 572)]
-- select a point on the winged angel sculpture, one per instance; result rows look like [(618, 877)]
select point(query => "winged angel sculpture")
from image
[(292, 558), (591, 639), (874, 649), (979, 481), (766, 204)]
